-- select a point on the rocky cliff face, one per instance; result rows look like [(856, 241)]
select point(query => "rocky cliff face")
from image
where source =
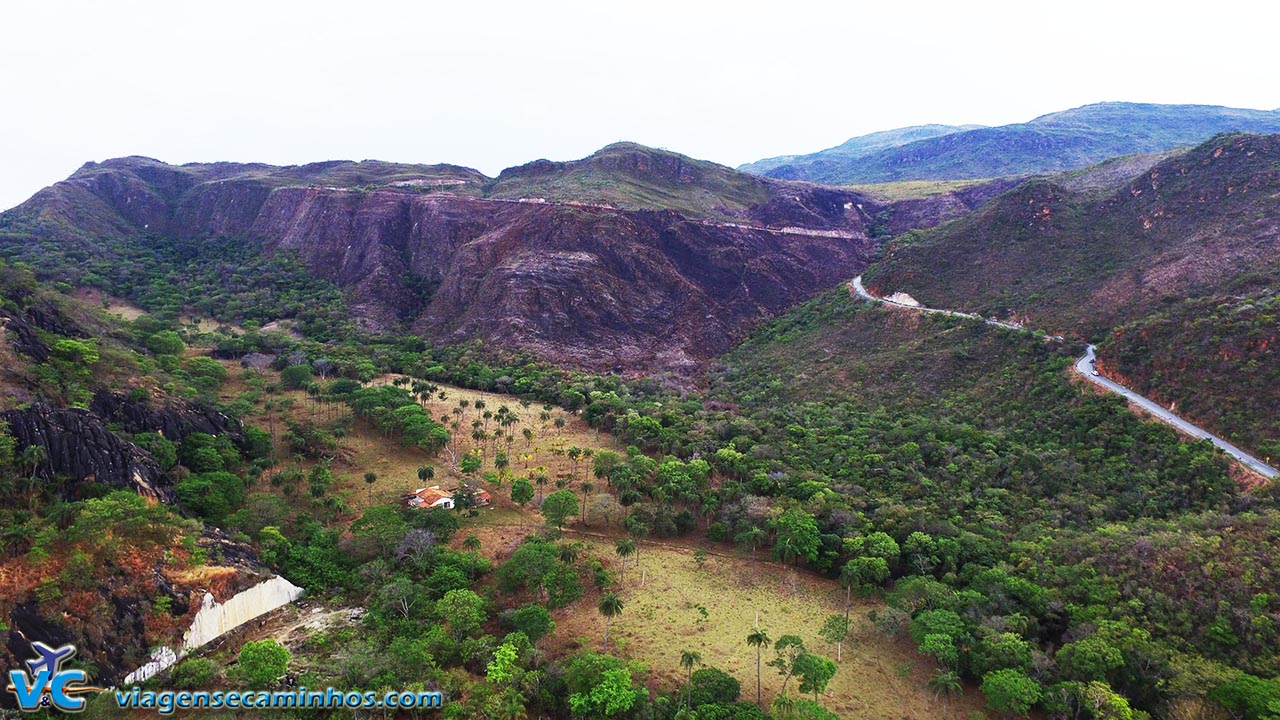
[(79, 447), (175, 418), (584, 264)]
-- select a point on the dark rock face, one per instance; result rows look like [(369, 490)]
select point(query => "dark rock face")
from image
[(176, 419), (22, 337), (79, 447)]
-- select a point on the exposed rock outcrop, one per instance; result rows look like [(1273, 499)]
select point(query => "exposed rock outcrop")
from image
[(215, 619), (22, 337), (79, 448), (175, 418)]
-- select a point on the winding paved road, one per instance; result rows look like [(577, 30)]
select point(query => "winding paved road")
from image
[(1084, 366)]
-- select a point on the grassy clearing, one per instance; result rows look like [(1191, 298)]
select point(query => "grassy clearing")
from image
[(878, 677), (112, 305), (916, 189), (363, 449)]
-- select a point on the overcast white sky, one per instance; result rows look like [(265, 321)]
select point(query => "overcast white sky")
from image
[(495, 84)]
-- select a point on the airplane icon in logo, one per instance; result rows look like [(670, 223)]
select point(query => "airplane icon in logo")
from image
[(48, 684), (50, 658)]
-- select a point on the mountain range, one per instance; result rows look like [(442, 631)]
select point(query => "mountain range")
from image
[(1050, 143), (630, 260)]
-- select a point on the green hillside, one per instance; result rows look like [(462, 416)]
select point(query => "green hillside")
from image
[(1202, 224), (1067, 521)]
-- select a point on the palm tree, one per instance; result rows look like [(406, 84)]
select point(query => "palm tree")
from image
[(610, 606), (426, 472), (569, 553), (688, 659), (848, 576), (33, 456), (946, 684), (754, 537), (624, 547), (541, 479), (472, 543), (784, 707), (758, 639), (587, 488)]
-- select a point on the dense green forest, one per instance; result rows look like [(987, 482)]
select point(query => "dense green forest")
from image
[(230, 279)]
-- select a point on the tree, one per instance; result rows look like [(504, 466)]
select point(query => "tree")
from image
[(559, 506), (165, 342), (369, 479), (470, 463), (604, 463), (1091, 658), (463, 611), (688, 659), (426, 472), (32, 456), (758, 639), (815, 672), (997, 651), (638, 530), (1100, 702), (942, 647), (787, 650), (534, 621), (921, 552), (797, 539), (610, 606), (503, 669), (1010, 691), (712, 686), (400, 595), (295, 376), (700, 557), (834, 631), (535, 566), (624, 547), (611, 696), (471, 543), (753, 537), (521, 494), (262, 663), (866, 572), (946, 685)]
